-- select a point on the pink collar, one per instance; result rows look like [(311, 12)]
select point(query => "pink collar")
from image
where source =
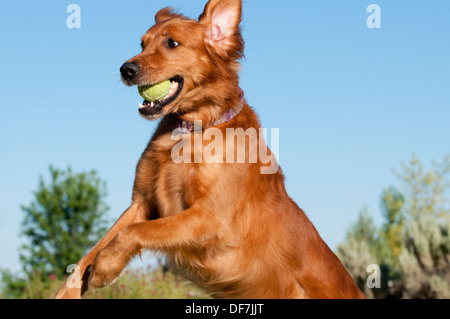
[(185, 127)]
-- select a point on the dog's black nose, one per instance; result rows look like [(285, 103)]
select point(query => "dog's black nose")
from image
[(129, 70)]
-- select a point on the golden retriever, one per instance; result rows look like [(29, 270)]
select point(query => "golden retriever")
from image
[(225, 224)]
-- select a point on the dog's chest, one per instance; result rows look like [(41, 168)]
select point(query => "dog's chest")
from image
[(175, 188), (178, 185)]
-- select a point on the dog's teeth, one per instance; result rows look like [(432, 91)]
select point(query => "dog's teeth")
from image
[(141, 106), (152, 104)]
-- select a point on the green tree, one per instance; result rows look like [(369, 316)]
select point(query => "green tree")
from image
[(360, 250), (426, 190), (412, 246), (424, 262), (63, 221), (392, 230)]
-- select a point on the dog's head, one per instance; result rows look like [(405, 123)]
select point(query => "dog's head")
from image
[(199, 57)]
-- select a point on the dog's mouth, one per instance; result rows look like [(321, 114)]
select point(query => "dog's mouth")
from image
[(154, 108)]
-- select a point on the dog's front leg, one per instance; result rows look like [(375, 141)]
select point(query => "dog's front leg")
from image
[(189, 228), (135, 214)]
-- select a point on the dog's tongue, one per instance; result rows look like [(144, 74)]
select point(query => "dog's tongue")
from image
[(173, 89)]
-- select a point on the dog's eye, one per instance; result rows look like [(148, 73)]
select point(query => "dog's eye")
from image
[(172, 43)]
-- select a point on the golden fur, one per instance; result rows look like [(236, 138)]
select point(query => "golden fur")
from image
[(227, 227)]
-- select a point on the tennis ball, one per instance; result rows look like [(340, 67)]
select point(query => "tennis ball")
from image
[(157, 92)]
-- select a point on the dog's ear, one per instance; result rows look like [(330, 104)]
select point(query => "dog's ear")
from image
[(166, 14), (222, 19)]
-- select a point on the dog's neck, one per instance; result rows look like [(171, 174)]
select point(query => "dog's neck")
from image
[(186, 127)]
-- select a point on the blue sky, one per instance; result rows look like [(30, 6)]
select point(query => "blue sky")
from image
[(351, 102)]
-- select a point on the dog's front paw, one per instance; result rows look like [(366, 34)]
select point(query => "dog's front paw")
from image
[(105, 269)]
